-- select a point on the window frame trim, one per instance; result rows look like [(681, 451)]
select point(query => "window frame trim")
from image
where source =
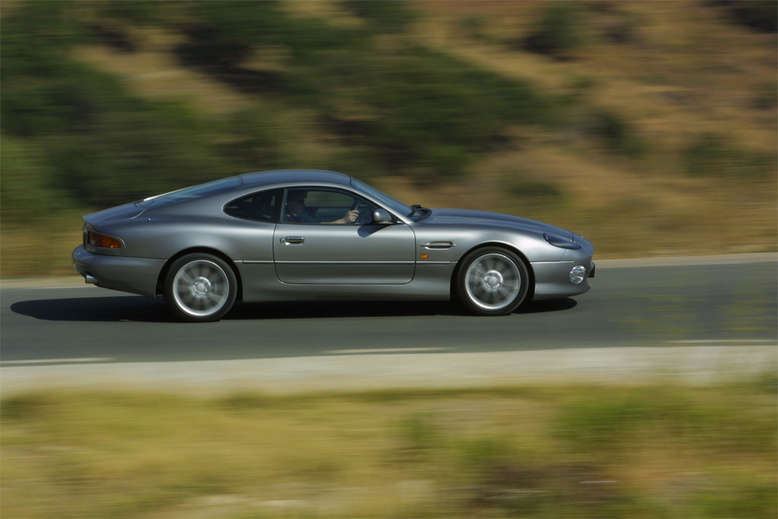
[(282, 219)]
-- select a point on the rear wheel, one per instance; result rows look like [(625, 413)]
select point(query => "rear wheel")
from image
[(200, 287), (492, 281)]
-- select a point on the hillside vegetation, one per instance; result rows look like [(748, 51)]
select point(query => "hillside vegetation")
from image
[(649, 127), (542, 452)]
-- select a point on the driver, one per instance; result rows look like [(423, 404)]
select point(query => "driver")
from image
[(297, 212)]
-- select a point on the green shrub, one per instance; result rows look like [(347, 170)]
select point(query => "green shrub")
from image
[(752, 499), (26, 182), (535, 191), (557, 30), (29, 407), (140, 12), (223, 32), (705, 155), (67, 98), (440, 112), (359, 161), (760, 15), (244, 402), (130, 155), (766, 97), (610, 422), (605, 424), (419, 435), (616, 133), (486, 455), (388, 16), (472, 26), (622, 28), (711, 155), (256, 142)]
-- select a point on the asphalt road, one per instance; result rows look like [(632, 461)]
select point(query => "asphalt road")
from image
[(689, 305)]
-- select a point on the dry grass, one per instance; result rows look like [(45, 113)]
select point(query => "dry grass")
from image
[(549, 451), (687, 71), (625, 212), (153, 71), (42, 247)]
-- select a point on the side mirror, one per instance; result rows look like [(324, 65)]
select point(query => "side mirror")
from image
[(382, 217)]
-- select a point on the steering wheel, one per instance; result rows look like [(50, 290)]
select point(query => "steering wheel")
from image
[(363, 207)]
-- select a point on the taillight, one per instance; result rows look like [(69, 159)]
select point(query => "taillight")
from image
[(101, 240)]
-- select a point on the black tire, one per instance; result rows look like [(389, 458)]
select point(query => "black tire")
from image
[(200, 287), (507, 281)]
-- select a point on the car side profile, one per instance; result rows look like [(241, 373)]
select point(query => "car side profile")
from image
[(320, 235)]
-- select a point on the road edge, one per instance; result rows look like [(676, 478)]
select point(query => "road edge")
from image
[(680, 261)]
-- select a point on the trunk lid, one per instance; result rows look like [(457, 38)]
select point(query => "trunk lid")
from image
[(113, 214)]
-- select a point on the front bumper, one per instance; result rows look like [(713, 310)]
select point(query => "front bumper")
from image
[(136, 275), (552, 279)]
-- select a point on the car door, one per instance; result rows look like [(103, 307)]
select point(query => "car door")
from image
[(315, 244)]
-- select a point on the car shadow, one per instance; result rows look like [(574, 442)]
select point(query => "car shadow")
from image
[(111, 308), (149, 309), (301, 310)]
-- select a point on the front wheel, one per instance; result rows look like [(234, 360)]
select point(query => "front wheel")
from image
[(200, 287), (492, 281)]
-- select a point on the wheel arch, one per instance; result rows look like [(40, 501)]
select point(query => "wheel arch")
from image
[(530, 272), (207, 250)]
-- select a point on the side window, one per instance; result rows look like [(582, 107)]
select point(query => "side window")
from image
[(261, 206), (326, 206)]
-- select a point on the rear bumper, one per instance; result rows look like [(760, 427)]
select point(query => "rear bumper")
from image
[(137, 275)]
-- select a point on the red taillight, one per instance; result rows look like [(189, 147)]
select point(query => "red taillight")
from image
[(101, 240)]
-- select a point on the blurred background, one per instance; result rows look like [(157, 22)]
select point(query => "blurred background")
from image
[(647, 126)]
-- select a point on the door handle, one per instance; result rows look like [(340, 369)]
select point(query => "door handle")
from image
[(292, 240)]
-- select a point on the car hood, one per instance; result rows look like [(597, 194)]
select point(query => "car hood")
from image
[(466, 216), (113, 214)]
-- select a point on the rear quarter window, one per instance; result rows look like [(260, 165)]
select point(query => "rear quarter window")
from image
[(262, 206)]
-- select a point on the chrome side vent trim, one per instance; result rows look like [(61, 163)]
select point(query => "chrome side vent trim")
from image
[(430, 245)]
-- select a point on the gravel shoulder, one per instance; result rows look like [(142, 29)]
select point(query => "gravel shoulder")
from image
[(688, 363)]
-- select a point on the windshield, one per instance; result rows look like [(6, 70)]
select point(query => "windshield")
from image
[(394, 205), (197, 191)]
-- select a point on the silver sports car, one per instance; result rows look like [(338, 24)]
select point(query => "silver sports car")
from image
[(302, 234)]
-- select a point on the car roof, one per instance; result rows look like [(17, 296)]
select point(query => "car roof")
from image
[(265, 178)]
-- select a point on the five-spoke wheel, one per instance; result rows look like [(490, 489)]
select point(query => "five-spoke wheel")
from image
[(200, 287), (492, 281)]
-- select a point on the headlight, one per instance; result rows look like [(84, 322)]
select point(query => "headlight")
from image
[(577, 274), (560, 241)]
